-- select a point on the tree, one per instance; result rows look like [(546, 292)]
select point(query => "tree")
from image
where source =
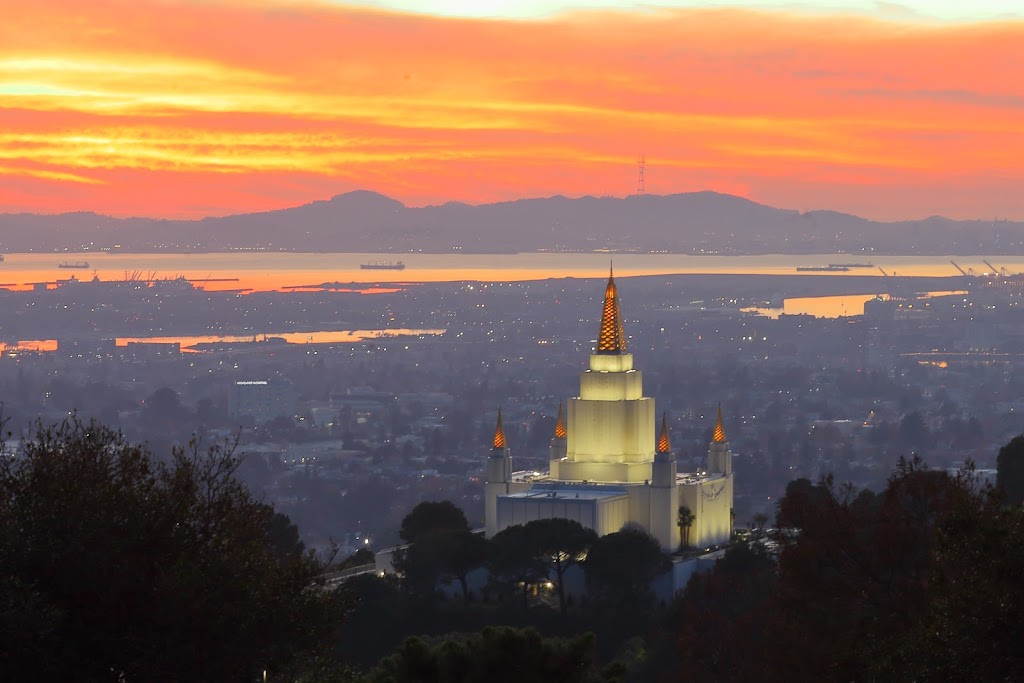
[(133, 569), (432, 516), (514, 562), (498, 654), (970, 627), (856, 577), (441, 548), (718, 609), (621, 566), (1010, 471), (685, 520), (460, 553), (561, 543), (760, 519)]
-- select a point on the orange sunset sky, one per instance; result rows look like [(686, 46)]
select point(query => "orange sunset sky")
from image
[(189, 108)]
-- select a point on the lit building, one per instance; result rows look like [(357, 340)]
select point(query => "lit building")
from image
[(606, 468)]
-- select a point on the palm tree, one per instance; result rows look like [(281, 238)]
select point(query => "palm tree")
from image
[(685, 521)]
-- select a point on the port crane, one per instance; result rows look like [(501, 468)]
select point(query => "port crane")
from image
[(995, 271), (966, 273)]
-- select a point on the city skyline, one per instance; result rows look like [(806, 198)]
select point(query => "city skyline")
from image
[(177, 109)]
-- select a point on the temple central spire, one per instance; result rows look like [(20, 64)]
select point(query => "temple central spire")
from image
[(612, 337)]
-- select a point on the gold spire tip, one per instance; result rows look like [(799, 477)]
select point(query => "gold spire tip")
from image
[(560, 430), (499, 434), (611, 338), (664, 446), (719, 436)]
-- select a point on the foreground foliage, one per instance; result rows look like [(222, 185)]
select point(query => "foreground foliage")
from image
[(921, 582), (116, 567), (496, 654)]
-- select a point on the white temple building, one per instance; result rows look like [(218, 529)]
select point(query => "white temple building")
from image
[(607, 469)]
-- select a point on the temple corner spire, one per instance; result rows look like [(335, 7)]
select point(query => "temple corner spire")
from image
[(719, 435), (560, 429), (664, 445), (499, 434)]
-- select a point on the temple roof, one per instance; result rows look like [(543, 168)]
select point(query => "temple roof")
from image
[(612, 337), (719, 436), (560, 430), (664, 446), (499, 434)]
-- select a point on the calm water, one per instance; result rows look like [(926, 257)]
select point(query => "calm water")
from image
[(268, 271), (264, 271), (320, 337)]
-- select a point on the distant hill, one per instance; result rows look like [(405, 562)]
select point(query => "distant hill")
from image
[(369, 222)]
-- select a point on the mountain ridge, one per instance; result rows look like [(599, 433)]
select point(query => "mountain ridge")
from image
[(367, 221)]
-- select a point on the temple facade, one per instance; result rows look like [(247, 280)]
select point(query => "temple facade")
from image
[(609, 465)]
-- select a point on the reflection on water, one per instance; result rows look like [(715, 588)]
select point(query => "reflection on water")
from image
[(836, 306), (818, 306), (188, 342), (30, 345), (319, 337)]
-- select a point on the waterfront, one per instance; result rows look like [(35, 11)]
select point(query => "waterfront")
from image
[(268, 271), (190, 343)]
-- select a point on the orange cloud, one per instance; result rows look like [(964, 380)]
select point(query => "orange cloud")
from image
[(177, 108)]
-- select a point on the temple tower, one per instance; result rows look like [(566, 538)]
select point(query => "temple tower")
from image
[(558, 441), (719, 455), (499, 476), (664, 492), (611, 423)]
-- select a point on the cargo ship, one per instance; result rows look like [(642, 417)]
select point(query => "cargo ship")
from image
[(73, 264), (388, 265), (851, 265), (831, 268)]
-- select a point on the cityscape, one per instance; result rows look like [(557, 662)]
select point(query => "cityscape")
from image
[(562, 341)]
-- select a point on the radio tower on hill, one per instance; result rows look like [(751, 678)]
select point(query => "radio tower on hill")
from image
[(640, 174)]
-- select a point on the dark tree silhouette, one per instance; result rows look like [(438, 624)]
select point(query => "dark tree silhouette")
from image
[(1010, 471), (431, 517), (514, 562), (132, 569), (499, 654), (441, 548), (561, 543), (621, 566)]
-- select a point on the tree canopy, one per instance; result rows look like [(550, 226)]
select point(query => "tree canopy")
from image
[(921, 581), (441, 548), (621, 566), (117, 567), (561, 543), (1010, 471), (497, 654), (432, 517)]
